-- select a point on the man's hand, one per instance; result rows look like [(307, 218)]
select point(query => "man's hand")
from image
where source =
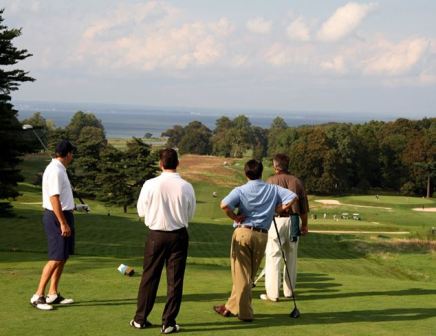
[(304, 229), (65, 230), (239, 218), (83, 208)]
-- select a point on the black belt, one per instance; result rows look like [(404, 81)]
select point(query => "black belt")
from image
[(252, 228), (71, 211), (287, 215)]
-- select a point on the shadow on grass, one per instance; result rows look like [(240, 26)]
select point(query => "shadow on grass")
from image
[(271, 320), (404, 292)]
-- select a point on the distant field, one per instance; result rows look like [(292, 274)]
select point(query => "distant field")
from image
[(120, 143), (348, 284)]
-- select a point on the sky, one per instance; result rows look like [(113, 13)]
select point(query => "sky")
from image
[(329, 56)]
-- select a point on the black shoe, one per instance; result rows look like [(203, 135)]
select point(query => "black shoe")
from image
[(39, 303), (136, 325)]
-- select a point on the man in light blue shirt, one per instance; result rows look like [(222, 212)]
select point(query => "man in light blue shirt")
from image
[(257, 203)]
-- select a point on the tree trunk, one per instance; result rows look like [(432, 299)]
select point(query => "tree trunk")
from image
[(428, 185), (125, 208)]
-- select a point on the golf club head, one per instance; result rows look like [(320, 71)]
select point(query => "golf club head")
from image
[(295, 313)]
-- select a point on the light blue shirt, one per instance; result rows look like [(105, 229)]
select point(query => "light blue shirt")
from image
[(257, 201)]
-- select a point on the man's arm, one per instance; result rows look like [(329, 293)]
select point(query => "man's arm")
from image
[(57, 209), (140, 204), (230, 213), (285, 207)]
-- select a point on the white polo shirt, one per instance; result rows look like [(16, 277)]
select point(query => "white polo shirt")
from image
[(166, 202), (55, 182)]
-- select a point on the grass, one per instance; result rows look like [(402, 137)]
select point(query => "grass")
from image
[(347, 284)]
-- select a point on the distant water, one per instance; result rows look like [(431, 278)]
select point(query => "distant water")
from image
[(122, 121)]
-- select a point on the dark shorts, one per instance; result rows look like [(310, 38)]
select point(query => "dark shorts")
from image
[(59, 248)]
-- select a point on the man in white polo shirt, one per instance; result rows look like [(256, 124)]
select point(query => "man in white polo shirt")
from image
[(167, 203), (58, 220)]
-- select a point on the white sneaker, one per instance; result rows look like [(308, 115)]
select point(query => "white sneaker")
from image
[(40, 303), (170, 329), (266, 298), (57, 299)]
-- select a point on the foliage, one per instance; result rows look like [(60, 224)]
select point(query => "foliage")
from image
[(122, 173), (11, 141), (79, 121)]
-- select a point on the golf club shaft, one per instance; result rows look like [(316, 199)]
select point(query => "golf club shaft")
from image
[(286, 264)]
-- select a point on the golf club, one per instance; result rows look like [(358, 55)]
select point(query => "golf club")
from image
[(295, 313), (83, 206), (261, 275)]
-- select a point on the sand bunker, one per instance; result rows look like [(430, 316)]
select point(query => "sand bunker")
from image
[(329, 202), (425, 209)]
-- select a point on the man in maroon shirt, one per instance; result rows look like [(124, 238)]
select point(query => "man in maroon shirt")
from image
[(290, 225)]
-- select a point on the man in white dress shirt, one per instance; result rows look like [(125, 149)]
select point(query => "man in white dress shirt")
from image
[(58, 220), (167, 203)]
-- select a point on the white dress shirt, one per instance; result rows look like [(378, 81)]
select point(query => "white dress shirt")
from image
[(55, 182), (166, 202)]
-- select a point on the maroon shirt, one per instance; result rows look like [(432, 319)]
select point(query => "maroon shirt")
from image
[(294, 184)]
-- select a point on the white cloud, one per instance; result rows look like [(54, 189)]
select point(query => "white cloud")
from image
[(344, 21), (149, 36), (396, 59), (336, 64), (259, 26), (298, 30)]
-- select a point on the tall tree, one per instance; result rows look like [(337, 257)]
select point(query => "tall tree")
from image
[(80, 120), (85, 167), (174, 135), (196, 139), (10, 128), (122, 173)]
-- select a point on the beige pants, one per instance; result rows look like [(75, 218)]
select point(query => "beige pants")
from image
[(246, 254), (273, 258)]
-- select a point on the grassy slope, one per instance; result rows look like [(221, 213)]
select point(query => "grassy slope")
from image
[(348, 284)]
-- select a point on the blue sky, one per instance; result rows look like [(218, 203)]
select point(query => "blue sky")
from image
[(358, 57)]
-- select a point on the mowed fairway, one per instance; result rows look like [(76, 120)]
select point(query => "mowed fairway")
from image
[(348, 284)]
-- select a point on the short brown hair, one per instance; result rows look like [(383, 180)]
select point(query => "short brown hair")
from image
[(253, 169), (169, 158), (281, 162)]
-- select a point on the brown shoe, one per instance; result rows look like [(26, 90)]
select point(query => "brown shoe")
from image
[(222, 310), (245, 320)]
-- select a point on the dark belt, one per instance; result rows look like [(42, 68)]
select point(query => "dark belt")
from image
[(71, 211), (252, 228)]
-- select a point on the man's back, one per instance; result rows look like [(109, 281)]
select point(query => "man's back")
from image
[(294, 184), (167, 202)]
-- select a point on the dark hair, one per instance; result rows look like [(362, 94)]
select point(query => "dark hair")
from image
[(63, 148), (253, 169), (281, 162), (169, 158)]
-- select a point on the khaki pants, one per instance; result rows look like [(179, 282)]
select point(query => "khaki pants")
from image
[(247, 250)]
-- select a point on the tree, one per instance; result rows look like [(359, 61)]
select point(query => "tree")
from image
[(11, 144), (196, 139), (220, 142), (260, 142), (122, 174), (174, 135), (41, 127), (80, 120), (85, 167)]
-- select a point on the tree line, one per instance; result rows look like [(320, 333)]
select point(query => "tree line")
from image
[(99, 170), (333, 158)]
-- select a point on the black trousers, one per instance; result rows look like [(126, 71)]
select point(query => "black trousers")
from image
[(169, 248)]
